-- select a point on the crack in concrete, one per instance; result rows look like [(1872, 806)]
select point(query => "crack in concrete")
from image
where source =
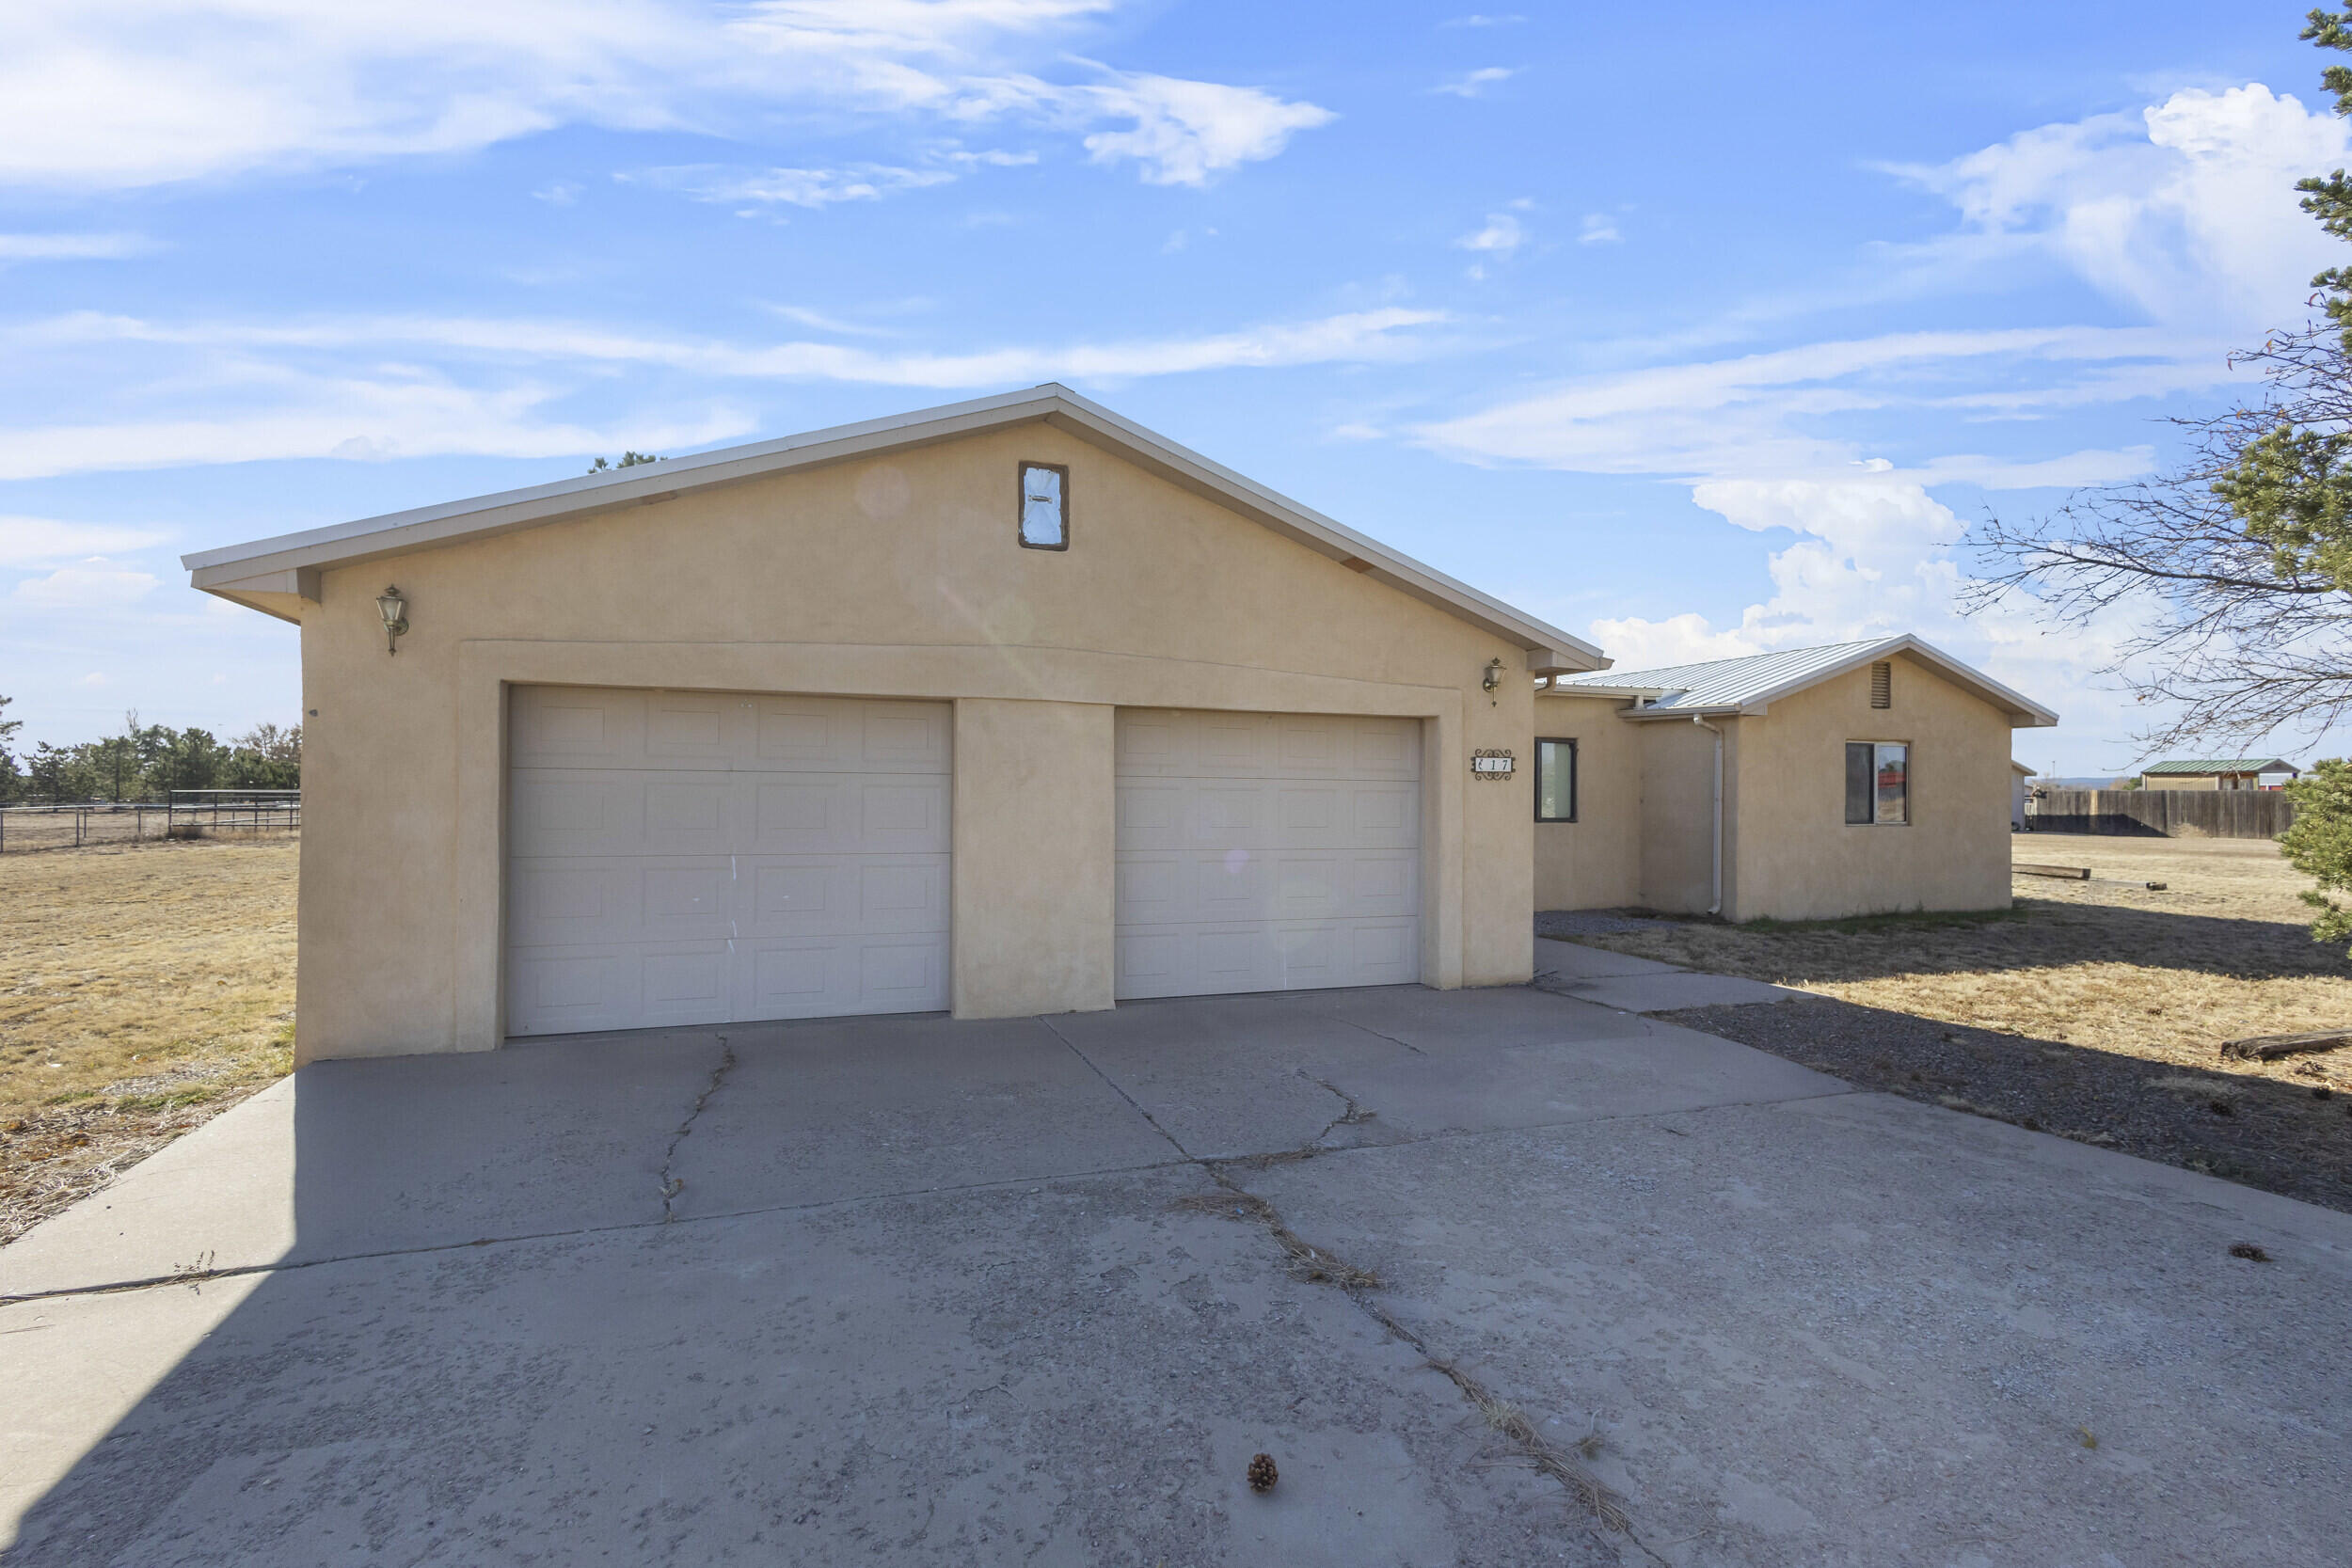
[(672, 1186), (1376, 1033), (1112, 1083), (184, 1274)]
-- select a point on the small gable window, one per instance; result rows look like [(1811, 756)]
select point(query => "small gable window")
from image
[(1044, 506)]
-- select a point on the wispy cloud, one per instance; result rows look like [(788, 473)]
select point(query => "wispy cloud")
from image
[(1502, 235), (1598, 228), (1758, 414), (92, 584), (125, 93), (1475, 20), (1473, 84), (498, 386), (73, 247), (30, 542), (798, 187)]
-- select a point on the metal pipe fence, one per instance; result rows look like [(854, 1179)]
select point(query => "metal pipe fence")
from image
[(189, 813)]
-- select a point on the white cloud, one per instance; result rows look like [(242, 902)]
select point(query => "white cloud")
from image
[(1477, 21), (28, 542), (125, 93), (1872, 557), (1599, 229), (1186, 132), (93, 584), (1473, 84), (563, 193), (251, 399), (2186, 209), (799, 187), (1762, 414), (71, 248), (1501, 236)]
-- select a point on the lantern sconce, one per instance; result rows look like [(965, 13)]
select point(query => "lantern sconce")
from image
[(1494, 678), (394, 609)]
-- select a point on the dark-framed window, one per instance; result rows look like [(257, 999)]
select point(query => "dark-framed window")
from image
[(1044, 506), (1555, 781), (1878, 784)]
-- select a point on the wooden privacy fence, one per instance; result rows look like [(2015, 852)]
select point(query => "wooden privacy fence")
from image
[(2161, 813)]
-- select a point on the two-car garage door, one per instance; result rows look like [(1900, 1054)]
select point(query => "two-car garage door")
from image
[(694, 856)]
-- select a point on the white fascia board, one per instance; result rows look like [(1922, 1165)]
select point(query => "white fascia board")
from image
[(397, 533)]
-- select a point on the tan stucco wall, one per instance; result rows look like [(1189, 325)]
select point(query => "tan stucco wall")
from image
[(894, 577), (1797, 857), (1678, 825), (1594, 862), (1033, 894)]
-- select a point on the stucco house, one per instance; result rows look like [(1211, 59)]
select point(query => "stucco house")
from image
[(1809, 783), (1007, 708)]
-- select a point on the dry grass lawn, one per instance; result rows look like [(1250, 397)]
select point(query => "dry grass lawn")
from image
[(2224, 950), (143, 990)]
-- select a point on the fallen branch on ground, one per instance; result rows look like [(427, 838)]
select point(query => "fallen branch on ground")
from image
[(2264, 1047), (2073, 873)]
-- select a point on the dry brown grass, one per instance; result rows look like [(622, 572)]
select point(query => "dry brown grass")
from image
[(2224, 952), (143, 990)]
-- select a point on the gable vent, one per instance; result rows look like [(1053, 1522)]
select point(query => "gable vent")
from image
[(1882, 685)]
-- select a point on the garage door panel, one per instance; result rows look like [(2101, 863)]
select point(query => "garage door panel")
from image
[(620, 898), (1266, 852), (569, 727), (687, 858), (563, 990), (808, 894), (837, 977), (849, 813), (690, 813)]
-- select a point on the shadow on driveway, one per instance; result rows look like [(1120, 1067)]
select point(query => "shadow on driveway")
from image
[(913, 1290)]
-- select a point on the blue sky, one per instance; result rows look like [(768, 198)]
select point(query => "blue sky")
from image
[(1698, 332)]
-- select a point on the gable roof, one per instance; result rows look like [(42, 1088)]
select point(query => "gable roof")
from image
[(275, 575), (2221, 765), (1750, 684)]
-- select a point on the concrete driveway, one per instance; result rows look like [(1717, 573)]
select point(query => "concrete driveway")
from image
[(912, 1291)]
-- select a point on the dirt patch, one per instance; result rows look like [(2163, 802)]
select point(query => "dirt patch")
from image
[(2223, 952), (2273, 1134), (143, 990), (2094, 1009)]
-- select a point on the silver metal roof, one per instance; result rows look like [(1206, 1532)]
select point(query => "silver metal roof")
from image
[(1751, 683)]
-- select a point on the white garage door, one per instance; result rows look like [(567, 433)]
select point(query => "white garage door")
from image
[(694, 857), (1267, 853)]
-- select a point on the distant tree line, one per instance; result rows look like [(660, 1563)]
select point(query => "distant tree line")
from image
[(146, 762)]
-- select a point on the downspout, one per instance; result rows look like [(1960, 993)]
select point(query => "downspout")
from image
[(1716, 881)]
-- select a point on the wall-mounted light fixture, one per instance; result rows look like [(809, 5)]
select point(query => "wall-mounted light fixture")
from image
[(394, 609), (1494, 678)]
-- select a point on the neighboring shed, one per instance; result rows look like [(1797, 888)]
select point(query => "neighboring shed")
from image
[(1806, 784), (2219, 773), (2018, 785)]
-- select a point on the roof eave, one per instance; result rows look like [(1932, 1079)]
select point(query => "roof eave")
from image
[(371, 539)]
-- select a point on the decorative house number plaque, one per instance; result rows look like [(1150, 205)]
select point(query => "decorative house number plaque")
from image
[(1492, 764)]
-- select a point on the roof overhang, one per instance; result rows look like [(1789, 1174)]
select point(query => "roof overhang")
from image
[(2023, 712), (268, 575)]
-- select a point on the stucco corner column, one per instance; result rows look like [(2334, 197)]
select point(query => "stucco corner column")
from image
[(1035, 839)]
